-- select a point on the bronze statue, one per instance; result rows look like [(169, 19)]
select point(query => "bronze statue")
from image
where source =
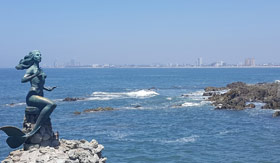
[(35, 97)]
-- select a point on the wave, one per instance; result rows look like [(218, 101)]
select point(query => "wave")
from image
[(188, 104), (189, 139), (121, 95), (227, 132), (169, 98), (198, 95), (15, 104), (191, 104)]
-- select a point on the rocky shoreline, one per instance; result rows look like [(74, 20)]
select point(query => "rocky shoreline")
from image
[(69, 151), (239, 95)]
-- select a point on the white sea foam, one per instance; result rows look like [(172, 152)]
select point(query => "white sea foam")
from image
[(198, 95), (226, 132), (169, 98), (121, 95), (257, 104), (194, 104), (223, 91), (189, 139), (188, 104), (15, 104)]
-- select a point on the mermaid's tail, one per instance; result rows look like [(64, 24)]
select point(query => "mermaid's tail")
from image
[(16, 136)]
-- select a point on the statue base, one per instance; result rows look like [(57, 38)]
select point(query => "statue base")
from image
[(44, 137)]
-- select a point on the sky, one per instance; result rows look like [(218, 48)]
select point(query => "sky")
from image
[(140, 31)]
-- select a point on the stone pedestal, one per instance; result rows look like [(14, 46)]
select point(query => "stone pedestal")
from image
[(44, 137)]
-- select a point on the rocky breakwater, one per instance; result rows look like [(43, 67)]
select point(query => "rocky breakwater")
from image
[(69, 151), (239, 95), (46, 147)]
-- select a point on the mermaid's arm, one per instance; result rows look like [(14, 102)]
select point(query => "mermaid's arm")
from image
[(28, 76)]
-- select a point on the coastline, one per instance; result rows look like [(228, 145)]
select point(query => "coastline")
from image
[(204, 67)]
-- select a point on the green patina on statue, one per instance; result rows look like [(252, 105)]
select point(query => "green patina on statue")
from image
[(35, 97)]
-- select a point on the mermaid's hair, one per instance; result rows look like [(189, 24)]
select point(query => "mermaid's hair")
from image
[(27, 61)]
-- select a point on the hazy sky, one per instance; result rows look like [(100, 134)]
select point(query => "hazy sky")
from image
[(140, 31)]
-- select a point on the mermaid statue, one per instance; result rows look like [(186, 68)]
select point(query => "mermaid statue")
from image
[(35, 98)]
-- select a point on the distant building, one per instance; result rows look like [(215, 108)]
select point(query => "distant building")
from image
[(72, 63), (199, 62), (54, 64), (250, 62), (218, 64), (95, 65)]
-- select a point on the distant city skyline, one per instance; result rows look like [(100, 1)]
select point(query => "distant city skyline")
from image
[(248, 62), (140, 32)]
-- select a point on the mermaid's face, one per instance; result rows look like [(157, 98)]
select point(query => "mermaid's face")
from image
[(37, 56)]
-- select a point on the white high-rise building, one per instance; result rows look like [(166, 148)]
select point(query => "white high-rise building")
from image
[(199, 61), (250, 62)]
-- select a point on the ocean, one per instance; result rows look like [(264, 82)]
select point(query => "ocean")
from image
[(152, 121)]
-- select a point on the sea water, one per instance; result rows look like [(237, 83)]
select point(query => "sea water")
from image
[(152, 121)]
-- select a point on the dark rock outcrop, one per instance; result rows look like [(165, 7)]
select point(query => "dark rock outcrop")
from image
[(251, 105), (240, 94), (77, 113), (276, 113), (208, 89), (98, 109), (72, 99)]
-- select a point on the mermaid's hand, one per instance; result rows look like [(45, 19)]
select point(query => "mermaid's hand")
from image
[(53, 88), (49, 89)]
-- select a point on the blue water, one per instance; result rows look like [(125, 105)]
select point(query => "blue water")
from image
[(157, 131)]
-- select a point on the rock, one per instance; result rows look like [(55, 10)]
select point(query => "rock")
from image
[(72, 99), (7, 161), (94, 143), (152, 88), (137, 106), (77, 113), (95, 158), (276, 113), (240, 93), (185, 95), (30, 146), (12, 104), (251, 105), (69, 151), (72, 155), (235, 85), (98, 109), (208, 89), (209, 93), (99, 148), (16, 153), (176, 106)]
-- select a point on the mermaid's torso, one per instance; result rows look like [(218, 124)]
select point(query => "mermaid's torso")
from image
[(37, 86)]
